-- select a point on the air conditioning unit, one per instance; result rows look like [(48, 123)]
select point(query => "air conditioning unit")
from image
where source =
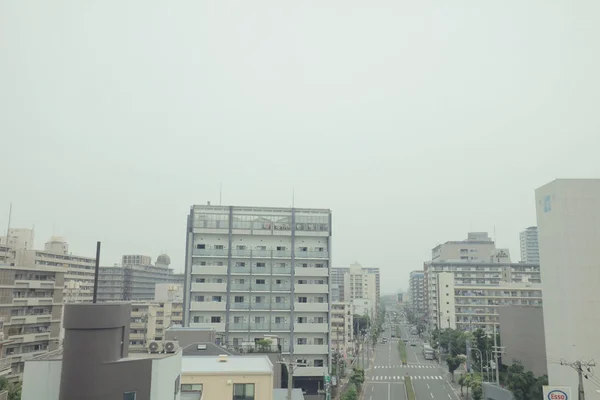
[(171, 346), (155, 347)]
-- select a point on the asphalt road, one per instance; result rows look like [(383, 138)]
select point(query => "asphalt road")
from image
[(385, 379)]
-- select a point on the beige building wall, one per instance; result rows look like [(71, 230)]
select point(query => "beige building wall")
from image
[(220, 385)]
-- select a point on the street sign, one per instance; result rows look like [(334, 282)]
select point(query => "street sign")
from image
[(556, 392), (327, 378)]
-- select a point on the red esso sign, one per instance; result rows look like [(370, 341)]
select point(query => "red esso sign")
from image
[(557, 395)]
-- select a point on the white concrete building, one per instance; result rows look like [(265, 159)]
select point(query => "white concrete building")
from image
[(342, 334), (18, 238), (477, 247), (340, 281), (568, 220), (472, 306), (150, 320), (362, 307), (168, 292), (530, 250), (256, 271), (361, 283)]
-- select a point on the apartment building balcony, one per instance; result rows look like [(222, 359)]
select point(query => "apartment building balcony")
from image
[(280, 327), (239, 326), (261, 271), (209, 270), (311, 328), (281, 271), (311, 288), (34, 284), (33, 301), (239, 287), (260, 287), (217, 326), (311, 254), (5, 366), (263, 327), (311, 371), (311, 349), (239, 306), (318, 307), (137, 336), (30, 337), (210, 253), (311, 272), (281, 288), (209, 287), (30, 319), (137, 325), (207, 306), (260, 306), (241, 253), (280, 306)]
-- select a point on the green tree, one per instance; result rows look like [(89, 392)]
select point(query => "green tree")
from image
[(463, 381), (535, 392), (358, 377), (453, 364), (350, 394), (518, 381), (476, 389), (264, 345)]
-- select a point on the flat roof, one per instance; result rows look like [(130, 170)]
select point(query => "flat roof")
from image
[(234, 364)]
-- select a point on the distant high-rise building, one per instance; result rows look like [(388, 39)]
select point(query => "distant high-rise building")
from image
[(530, 250), (18, 238), (416, 290), (256, 271), (568, 220)]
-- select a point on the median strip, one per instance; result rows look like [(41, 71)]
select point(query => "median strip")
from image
[(410, 391)]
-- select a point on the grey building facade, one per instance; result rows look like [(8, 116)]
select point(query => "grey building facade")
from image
[(522, 333), (530, 248)]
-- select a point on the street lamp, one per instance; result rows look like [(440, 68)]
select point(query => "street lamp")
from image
[(480, 361)]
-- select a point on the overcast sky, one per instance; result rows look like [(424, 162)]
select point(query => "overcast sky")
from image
[(414, 121)]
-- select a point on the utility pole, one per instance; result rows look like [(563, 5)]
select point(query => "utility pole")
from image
[(578, 366), (291, 366), (497, 351)]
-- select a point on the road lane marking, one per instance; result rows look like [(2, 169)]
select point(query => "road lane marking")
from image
[(428, 386), (449, 395), (389, 392), (372, 387), (431, 395)]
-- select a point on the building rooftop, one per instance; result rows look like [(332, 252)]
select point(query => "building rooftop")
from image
[(234, 364), (206, 349), (57, 355), (281, 394)]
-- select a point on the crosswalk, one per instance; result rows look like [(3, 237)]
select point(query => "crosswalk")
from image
[(405, 366), (398, 378)]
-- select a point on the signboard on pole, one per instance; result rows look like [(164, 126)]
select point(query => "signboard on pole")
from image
[(556, 392)]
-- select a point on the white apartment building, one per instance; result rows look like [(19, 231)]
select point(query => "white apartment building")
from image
[(18, 238), (339, 281), (253, 272), (568, 220), (342, 321), (416, 291), (362, 307), (530, 250), (150, 320), (79, 276), (360, 284), (473, 306), (476, 247)]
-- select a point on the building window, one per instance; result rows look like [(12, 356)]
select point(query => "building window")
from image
[(215, 320), (260, 281), (239, 299), (243, 391), (129, 396), (318, 363), (200, 246), (197, 387), (219, 247)]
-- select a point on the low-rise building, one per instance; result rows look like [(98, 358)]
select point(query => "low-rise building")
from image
[(149, 321), (95, 362), (226, 377), (471, 306), (31, 308), (342, 320)]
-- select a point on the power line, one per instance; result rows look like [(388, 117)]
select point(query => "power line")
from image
[(578, 366)]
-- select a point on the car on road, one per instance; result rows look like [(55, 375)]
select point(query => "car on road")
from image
[(405, 340), (413, 344)]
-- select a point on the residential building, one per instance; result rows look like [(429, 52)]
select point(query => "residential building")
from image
[(256, 271), (95, 362), (471, 306), (334, 293), (136, 259), (149, 321), (134, 281), (568, 220), (30, 308), (416, 290), (353, 282), (18, 238), (477, 247), (530, 250), (522, 333), (226, 377), (79, 272), (342, 321)]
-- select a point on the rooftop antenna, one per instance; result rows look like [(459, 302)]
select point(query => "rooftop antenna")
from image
[(220, 192), (96, 271), (7, 232), (293, 197), (494, 233)]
